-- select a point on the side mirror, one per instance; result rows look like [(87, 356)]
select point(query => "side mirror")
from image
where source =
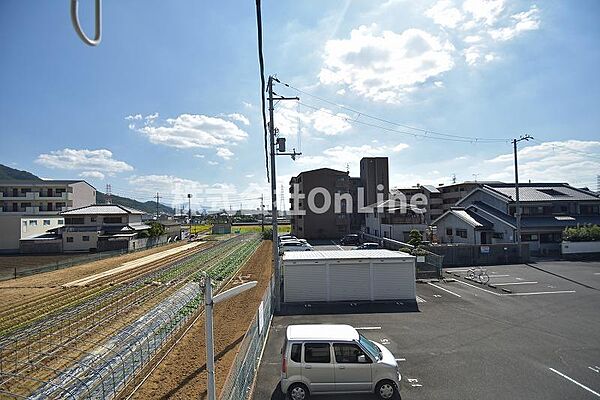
[(362, 359)]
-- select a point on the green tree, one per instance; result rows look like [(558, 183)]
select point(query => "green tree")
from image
[(156, 229), (415, 238)]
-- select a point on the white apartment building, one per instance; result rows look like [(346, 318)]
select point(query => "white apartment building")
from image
[(31, 208)]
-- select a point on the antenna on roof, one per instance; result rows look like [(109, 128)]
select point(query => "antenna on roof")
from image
[(453, 178)]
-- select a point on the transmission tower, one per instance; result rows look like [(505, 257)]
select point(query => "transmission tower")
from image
[(108, 193)]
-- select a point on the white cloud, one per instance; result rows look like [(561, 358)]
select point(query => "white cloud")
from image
[(191, 131), (92, 175), (83, 160), (445, 14), (213, 163), (486, 11), (339, 157), (135, 117), (224, 153), (385, 66), (524, 21), (290, 120), (472, 39), (199, 155), (572, 161), (240, 118), (249, 176)]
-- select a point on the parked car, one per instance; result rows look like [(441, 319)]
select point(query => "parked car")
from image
[(349, 240), (320, 359), (281, 238), (294, 245), (292, 240), (368, 246)]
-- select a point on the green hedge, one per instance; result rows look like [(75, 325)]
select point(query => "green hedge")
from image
[(587, 233)]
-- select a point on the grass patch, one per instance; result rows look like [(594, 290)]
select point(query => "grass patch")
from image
[(257, 229)]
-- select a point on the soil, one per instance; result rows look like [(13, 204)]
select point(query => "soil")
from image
[(14, 291), (182, 374)]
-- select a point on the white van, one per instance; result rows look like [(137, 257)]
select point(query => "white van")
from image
[(330, 359)]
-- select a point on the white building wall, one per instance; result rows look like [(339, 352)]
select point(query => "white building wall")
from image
[(10, 232), (451, 221), (39, 224), (83, 195), (78, 244)]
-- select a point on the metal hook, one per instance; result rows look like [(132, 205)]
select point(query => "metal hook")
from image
[(77, 25)]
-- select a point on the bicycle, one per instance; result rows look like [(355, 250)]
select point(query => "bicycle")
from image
[(478, 274)]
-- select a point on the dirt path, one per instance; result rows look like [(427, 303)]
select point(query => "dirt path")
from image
[(182, 374), (15, 291)]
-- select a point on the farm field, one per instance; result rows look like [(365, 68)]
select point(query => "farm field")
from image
[(93, 340), (257, 228), (182, 374)]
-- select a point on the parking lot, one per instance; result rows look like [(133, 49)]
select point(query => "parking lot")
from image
[(533, 334)]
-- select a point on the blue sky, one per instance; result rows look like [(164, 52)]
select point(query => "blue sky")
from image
[(169, 102)]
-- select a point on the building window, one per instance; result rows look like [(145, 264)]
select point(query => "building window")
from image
[(528, 237), (46, 222), (498, 235), (70, 239), (74, 221), (61, 221), (32, 222), (85, 238), (448, 231), (461, 233), (93, 219), (112, 220)]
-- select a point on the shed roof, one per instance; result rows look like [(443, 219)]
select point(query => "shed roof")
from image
[(321, 332), (544, 192), (344, 254)]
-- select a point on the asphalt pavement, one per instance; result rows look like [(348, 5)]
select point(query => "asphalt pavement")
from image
[(533, 335)]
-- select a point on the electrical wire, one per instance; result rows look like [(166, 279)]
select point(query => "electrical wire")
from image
[(426, 132), (472, 140), (261, 64), (566, 147)]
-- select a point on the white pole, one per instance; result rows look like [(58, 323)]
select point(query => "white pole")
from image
[(210, 350)]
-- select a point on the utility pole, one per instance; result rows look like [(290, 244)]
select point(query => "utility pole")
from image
[(157, 198), (274, 188), (262, 213), (517, 203), (189, 196)]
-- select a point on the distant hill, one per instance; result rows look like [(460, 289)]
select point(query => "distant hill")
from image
[(149, 206), (11, 174)]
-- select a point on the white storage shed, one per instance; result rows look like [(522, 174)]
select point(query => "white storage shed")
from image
[(353, 275)]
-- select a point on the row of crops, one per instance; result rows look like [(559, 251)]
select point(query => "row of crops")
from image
[(115, 362)]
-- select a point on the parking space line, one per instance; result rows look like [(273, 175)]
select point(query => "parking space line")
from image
[(514, 283), (445, 290), (400, 359), (368, 328), (575, 382), (485, 290), (457, 270), (536, 293), (498, 276), (337, 245), (420, 299)]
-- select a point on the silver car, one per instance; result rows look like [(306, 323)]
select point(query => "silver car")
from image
[(330, 359)]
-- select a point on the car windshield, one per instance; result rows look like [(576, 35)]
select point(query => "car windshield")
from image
[(370, 347)]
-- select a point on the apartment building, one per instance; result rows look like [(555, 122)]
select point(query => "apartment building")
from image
[(31, 208), (313, 225), (487, 215)]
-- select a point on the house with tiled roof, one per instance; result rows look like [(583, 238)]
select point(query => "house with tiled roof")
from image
[(487, 215)]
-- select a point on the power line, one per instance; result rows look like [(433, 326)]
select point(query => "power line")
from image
[(413, 134), (261, 64), (426, 132), (568, 148)]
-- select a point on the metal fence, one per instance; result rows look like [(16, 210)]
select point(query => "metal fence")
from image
[(428, 264), (241, 376)]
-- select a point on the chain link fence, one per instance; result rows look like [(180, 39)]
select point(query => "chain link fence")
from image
[(239, 382)]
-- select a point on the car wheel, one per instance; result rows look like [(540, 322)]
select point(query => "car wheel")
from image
[(385, 390), (298, 392)]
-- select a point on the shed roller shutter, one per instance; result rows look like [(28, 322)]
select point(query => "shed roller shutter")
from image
[(305, 282), (393, 281), (349, 282)]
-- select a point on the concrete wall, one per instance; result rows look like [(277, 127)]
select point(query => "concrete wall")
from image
[(10, 233), (36, 225), (41, 246), (580, 247), (78, 244), (142, 243), (83, 194)]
